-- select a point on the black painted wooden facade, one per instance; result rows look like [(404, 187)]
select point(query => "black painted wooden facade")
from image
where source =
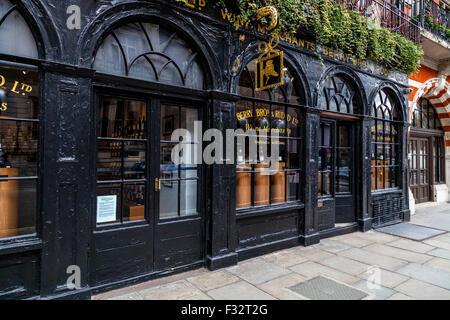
[(36, 266)]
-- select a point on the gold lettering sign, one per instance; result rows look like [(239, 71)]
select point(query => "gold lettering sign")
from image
[(269, 65)]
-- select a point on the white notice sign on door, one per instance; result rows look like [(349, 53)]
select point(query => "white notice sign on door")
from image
[(106, 209)]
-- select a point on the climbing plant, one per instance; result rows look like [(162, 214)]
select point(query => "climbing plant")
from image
[(335, 26)]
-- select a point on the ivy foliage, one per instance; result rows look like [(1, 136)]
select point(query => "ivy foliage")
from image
[(337, 27)]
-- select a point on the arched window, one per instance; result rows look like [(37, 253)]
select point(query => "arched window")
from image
[(425, 116), (150, 52), (385, 142), (339, 95), (16, 38), (19, 126), (274, 110), (426, 152)]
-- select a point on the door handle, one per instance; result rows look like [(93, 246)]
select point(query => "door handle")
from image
[(157, 185)]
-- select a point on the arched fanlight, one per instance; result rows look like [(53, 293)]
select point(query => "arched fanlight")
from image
[(339, 95), (150, 52), (16, 38)]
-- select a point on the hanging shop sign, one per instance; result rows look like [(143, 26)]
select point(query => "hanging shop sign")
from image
[(269, 65)]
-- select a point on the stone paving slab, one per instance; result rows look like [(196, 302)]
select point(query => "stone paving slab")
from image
[(375, 236), (398, 253), (179, 290), (386, 278), (285, 258), (333, 246), (411, 245), (400, 296), (312, 269), (435, 217), (374, 259), (427, 274), (441, 253), (313, 253), (439, 263), (442, 243), (239, 291), (133, 296), (279, 288), (422, 290), (411, 231), (213, 280), (353, 241), (258, 271), (380, 292), (346, 265)]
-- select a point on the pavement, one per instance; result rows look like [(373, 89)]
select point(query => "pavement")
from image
[(359, 266)]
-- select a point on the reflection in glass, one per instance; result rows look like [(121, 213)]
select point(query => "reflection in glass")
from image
[(188, 197), (18, 200), (168, 199), (19, 93), (134, 160), (109, 160), (134, 201), (16, 38), (178, 195)]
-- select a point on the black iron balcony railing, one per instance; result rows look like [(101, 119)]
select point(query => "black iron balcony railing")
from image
[(433, 17), (396, 15)]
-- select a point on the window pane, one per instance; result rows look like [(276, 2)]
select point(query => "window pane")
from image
[(109, 160), (15, 36), (293, 186), (325, 159), (294, 154), (244, 115), (135, 119), (188, 198), (325, 183), (19, 92), (110, 115), (134, 160), (262, 185), (243, 186), (18, 205), (109, 203), (19, 95), (279, 185), (19, 146), (134, 201), (168, 199), (343, 181), (344, 160)]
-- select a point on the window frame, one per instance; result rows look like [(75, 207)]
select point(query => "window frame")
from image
[(300, 108), (122, 182), (32, 240), (396, 123)]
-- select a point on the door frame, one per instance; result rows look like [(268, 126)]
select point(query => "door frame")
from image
[(357, 174), (166, 93), (430, 135)]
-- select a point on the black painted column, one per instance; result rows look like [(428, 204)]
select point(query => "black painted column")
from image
[(221, 211), (405, 171), (311, 225), (66, 181), (365, 193)]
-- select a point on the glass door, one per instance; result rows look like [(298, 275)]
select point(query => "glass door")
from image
[(336, 188), (419, 164), (179, 221)]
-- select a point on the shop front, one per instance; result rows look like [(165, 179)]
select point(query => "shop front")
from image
[(87, 177)]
